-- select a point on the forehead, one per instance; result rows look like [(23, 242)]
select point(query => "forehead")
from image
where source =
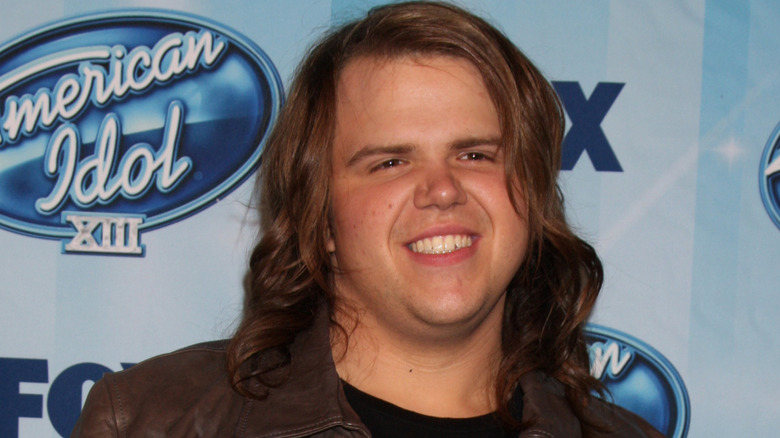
[(380, 76), (410, 99)]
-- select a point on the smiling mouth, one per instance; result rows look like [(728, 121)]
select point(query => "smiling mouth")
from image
[(441, 244)]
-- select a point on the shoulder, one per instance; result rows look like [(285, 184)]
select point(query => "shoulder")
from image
[(166, 394), (201, 361), (620, 422), (545, 406)]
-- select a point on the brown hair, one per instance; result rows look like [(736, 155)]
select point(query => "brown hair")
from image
[(550, 297)]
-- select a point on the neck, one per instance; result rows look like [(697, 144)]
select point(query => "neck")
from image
[(442, 375)]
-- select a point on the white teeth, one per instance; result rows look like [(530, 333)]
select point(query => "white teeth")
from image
[(441, 244), (438, 244)]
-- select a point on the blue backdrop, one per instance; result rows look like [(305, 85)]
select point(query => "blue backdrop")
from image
[(671, 170)]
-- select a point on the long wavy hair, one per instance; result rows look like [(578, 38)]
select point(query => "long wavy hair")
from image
[(290, 270)]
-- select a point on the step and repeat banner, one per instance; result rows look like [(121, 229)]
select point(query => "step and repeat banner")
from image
[(130, 132)]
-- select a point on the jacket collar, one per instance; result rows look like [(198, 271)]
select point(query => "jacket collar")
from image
[(545, 407), (311, 399)]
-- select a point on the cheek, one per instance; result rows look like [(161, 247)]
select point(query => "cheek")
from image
[(366, 217), (362, 210), (511, 225), (351, 227)]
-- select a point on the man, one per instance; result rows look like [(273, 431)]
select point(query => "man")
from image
[(415, 274)]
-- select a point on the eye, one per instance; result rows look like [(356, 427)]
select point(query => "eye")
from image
[(475, 156), (387, 164)]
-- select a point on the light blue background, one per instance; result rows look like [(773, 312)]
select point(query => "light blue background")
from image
[(691, 256)]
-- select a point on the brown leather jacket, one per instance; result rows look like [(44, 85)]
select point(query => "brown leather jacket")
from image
[(186, 394)]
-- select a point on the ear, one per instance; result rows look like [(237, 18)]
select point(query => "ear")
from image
[(330, 244)]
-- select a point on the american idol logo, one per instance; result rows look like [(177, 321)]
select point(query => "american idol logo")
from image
[(769, 176), (639, 379), (119, 123)]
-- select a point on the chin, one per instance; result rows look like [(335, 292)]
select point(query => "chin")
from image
[(450, 314)]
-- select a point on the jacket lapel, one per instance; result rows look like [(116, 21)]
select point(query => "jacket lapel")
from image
[(546, 409), (311, 400)]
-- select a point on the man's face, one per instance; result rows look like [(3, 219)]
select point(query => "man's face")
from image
[(425, 236)]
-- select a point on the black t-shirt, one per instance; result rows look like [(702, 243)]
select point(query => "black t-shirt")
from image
[(386, 420)]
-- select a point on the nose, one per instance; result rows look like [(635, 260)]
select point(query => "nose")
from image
[(438, 188)]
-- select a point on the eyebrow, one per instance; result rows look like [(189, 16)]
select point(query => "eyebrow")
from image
[(404, 149), (373, 150), (475, 141)]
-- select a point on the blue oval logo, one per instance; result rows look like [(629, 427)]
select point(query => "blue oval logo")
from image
[(769, 176), (639, 379), (118, 123)]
